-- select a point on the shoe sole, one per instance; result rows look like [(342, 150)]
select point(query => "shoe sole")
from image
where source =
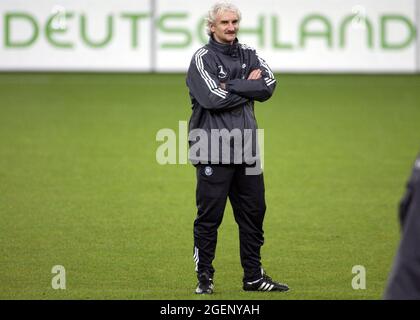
[(203, 292), (256, 290)]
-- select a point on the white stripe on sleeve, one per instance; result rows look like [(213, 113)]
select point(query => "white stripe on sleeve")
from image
[(205, 75)]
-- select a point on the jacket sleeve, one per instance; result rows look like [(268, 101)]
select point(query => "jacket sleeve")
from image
[(205, 87), (261, 89)]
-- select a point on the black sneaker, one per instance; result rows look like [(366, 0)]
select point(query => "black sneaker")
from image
[(205, 284), (265, 283)]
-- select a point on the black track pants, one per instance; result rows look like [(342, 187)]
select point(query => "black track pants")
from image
[(215, 183)]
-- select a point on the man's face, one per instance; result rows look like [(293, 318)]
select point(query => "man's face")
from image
[(225, 27)]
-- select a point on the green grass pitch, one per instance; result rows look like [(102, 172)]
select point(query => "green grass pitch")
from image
[(80, 186)]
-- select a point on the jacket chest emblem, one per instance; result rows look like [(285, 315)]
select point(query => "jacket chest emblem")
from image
[(222, 73)]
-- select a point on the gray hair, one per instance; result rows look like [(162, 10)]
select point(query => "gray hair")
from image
[(216, 9)]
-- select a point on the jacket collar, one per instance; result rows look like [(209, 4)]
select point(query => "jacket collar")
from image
[(228, 49)]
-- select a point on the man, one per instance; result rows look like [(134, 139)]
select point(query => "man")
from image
[(224, 79), (404, 280)]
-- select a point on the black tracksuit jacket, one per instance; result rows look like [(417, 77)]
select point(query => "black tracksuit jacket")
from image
[(233, 107), (404, 279)]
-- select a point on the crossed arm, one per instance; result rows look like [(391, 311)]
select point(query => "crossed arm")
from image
[(254, 75), (206, 88), (259, 85)]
